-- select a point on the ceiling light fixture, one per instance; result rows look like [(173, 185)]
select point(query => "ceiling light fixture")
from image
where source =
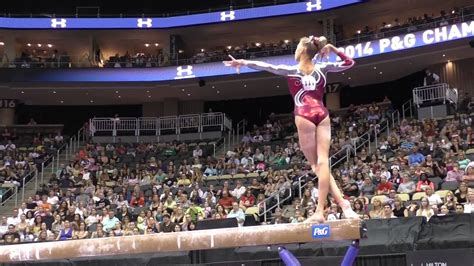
[(444, 55), (147, 91), (375, 67), (39, 45), (349, 78), (189, 94), (2, 43), (50, 45), (380, 72), (28, 44), (147, 44), (156, 44), (229, 47), (62, 101), (22, 92), (54, 92), (287, 41), (120, 96), (245, 85), (116, 91), (91, 101), (218, 92)]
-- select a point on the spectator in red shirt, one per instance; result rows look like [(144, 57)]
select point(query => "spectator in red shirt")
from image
[(384, 186), (137, 200), (247, 200), (226, 201)]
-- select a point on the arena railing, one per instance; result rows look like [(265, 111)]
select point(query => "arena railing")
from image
[(119, 126), (432, 93), (67, 150), (275, 200)]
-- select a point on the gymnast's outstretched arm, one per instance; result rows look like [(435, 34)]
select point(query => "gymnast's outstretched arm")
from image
[(281, 70)]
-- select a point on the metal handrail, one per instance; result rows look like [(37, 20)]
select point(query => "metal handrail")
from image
[(68, 149), (157, 124), (276, 194)]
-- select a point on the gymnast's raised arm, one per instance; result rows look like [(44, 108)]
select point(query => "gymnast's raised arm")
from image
[(281, 70)]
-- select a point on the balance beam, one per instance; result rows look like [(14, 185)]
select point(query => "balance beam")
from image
[(185, 241)]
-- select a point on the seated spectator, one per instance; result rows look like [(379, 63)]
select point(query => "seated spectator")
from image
[(197, 152), (459, 209), (110, 221), (398, 209), (407, 186), (469, 173), (454, 175), (349, 187), (469, 205), (226, 201), (415, 157), (237, 213), (239, 190), (387, 212), (433, 199), (424, 183), (66, 231), (425, 209), (368, 188), (166, 225), (11, 236), (377, 211), (247, 200), (384, 187), (461, 193)]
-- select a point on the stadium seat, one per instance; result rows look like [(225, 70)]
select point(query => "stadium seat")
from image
[(470, 151), (442, 193), (418, 195), (238, 176), (450, 185), (224, 177), (404, 197), (252, 175)]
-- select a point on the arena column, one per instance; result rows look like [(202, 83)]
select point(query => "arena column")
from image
[(9, 50), (7, 111)]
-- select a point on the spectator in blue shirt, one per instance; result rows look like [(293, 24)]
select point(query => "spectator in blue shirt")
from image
[(415, 157)]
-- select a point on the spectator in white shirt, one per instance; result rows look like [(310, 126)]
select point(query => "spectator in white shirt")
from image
[(313, 190), (434, 199), (14, 219), (52, 198), (197, 152), (469, 205), (246, 160), (239, 190), (258, 137), (237, 213), (10, 146)]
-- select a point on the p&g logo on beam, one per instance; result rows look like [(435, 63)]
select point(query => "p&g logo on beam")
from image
[(320, 231)]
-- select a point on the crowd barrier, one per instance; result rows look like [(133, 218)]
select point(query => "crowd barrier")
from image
[(388, 242)]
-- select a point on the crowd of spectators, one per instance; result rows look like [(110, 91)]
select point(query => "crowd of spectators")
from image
[(42, 59), (138, 60), (123, 189), (422, 168), (22, 154), (410, 24)]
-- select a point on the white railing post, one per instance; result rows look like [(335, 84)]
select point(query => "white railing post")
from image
[(23, 190), (42, 173), (52, 166)]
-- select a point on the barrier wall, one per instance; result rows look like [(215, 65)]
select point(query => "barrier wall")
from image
[(387, 243)]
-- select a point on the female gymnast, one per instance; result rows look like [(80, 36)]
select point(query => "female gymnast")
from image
[(306, 82)]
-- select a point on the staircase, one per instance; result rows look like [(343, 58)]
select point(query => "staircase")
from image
[(32, 181)]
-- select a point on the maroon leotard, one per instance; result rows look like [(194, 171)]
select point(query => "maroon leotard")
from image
[(307, 90)]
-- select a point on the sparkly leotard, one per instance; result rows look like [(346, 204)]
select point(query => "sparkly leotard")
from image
[(307, 90)]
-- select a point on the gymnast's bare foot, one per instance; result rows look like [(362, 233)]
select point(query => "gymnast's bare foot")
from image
[(348, 212), (316, 218)]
